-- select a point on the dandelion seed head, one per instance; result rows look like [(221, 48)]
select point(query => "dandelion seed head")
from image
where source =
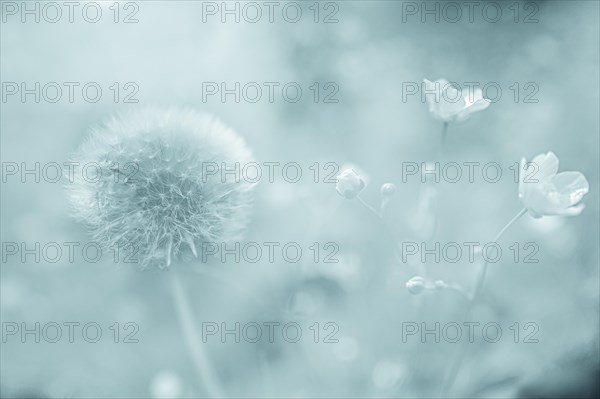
[(142, 180)]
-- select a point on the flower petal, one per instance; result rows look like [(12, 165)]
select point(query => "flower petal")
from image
[(433, 90), (474, 100), (534, 214), (479, 105), (444, 100), (432, 95), (437, 84), (546, 164), (451, 95), (571, 211), (573, 185), (463, 116)]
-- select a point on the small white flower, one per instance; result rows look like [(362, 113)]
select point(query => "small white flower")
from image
[(349, 184), (545, 192), (449, 104)]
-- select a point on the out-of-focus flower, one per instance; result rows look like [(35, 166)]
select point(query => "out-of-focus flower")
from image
[(545, 192), (416, 285), (166, 385), (151, 189), (349, 184), (388, 189), (449, 104), (346, 349), (388, 374)]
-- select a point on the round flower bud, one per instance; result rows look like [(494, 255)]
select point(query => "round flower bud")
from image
[(349, 184), (388, 189), (416, 285), (152, 189)]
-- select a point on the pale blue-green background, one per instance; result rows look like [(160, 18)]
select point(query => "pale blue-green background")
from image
[(369, 53)]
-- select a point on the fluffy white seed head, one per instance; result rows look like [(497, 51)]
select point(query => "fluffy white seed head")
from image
[(153, 180)]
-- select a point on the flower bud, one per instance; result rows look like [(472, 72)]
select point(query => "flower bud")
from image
[(388, 189), (416, 285), (349, 184)]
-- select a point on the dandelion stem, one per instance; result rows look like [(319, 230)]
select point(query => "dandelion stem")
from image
[(200, 357), (472, 300)]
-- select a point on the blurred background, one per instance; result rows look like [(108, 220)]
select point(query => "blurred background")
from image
[(372, 49)]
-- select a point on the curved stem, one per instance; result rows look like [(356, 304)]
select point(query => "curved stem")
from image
[(456, 288), (510, 223), (200, 357), (369, 207), (472, 300), (483, 270)]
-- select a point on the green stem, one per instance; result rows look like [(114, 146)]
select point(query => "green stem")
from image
[(200, 357), (472, 300)]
